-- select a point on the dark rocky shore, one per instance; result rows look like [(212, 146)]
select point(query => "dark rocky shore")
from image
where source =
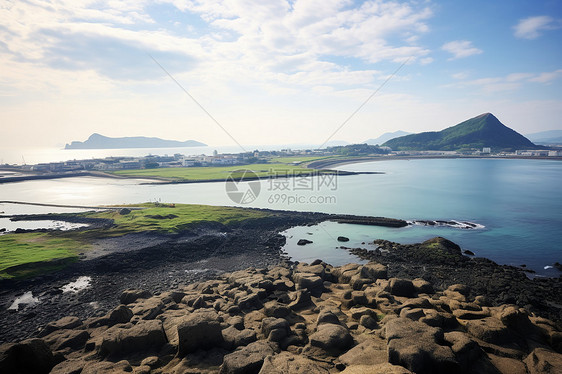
[(170, 266), (152, 261), (296, 318)]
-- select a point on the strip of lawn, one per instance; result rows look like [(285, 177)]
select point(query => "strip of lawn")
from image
[(26, 254), (172, 218), (41, 249), (218, 173)]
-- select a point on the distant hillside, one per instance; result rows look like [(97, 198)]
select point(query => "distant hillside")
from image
[(386, 137), (478, 132), (546, 137), (97, 141), (358, 150)]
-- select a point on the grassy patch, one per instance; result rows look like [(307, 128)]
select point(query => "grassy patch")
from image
[(299, 159), (27, 254), (173, 219), (212, 173), (17, 250)]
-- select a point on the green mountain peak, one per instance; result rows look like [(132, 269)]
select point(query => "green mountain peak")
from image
[(481, 131)]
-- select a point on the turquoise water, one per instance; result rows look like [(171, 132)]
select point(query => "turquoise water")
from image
[(518, 202)]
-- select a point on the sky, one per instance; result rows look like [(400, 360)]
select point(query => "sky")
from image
[(274, 72)]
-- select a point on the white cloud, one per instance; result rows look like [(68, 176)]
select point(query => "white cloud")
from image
[(460, 49), (245, 41), (532, 27), (460, 75), (510, 82), (547, 77), (248, 62)]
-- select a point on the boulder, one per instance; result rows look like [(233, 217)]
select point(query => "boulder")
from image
[(301, 299), (492, 330), (310, 282), (470, 314), (144, 336), (333, 339), (29, 356), (345, 272), (543, 361), (199, 330), (236, 322), (106, 367), (384, 368), (460, 288), (248, 359), (249, 302), (418, 347), (234, 338), (148, 309), (326, 316), (368, 322), (130, 296), (401, 287), (121, 314), (343, 239), (369, 352), (466, 350), (69, 367), (270, 324), (374, 271), (73, 339), (276, 309), (63, 323), (304, 242), (506, 365), (418, 302), (288, 363), (422, 286), (414, 314)]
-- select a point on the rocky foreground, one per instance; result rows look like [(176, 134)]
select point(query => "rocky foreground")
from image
[(297, 318)]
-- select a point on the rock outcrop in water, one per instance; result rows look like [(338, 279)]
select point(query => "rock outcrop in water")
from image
[(311, 318)]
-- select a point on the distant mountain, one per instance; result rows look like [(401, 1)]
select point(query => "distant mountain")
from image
[(97, 141), (478, 132), (546, 137), (386, 137)]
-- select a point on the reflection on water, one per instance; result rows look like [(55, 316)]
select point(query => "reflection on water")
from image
[(79, 284), (25, 300), (11, 226)]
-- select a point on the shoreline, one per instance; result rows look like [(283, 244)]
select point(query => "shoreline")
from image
[(161, 180), (320, 165), (158, 262), (330, 163), (66, 205)]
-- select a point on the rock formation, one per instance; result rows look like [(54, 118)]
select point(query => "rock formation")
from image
[(297, 318)]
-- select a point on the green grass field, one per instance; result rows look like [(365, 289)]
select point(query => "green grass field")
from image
[(218, 173), (170, 220), (34, 248), (299, 159), (27, 254)]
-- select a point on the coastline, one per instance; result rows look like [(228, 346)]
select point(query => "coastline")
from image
[(331, 163), (158, 262), (325, 165)]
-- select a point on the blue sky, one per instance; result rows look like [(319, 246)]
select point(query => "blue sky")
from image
[(275, 72)]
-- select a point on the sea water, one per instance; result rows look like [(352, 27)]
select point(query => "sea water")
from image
[(517, 201)]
